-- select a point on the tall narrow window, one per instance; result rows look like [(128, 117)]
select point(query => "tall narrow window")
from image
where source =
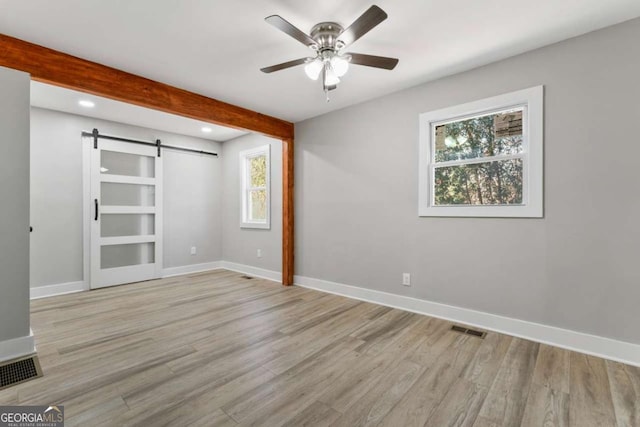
[(255, 177), (483, 158)]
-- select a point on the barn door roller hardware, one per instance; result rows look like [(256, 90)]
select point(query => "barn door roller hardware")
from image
[(158, 144)]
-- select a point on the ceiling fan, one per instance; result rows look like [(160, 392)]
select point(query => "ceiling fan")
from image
[(328, 40)]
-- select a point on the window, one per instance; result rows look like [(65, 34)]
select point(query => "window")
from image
[(484, 158), (255, 177)]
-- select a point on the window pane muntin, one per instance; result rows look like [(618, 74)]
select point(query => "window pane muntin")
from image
[(477, 148), (480, 184), (479, 160)]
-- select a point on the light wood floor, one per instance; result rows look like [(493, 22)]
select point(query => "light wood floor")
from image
[(217, 349)]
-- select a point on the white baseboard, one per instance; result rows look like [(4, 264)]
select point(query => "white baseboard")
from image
[(252, 271), (190, 269), (607, 348), (17, 347), (59, 289), (67, 288)]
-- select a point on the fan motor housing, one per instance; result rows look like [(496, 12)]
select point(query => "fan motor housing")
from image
[(326, 35)]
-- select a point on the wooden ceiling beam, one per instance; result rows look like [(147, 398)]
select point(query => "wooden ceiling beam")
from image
[(61, 69)]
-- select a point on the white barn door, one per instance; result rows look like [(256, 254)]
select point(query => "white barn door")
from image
[(126, 214)]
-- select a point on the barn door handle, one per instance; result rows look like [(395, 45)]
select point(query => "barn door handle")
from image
[(96, 205)]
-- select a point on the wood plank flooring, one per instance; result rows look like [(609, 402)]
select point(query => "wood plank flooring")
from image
[(215, 349)]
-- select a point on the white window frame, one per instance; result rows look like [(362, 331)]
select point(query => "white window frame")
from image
[(245, 189), (531, 100)]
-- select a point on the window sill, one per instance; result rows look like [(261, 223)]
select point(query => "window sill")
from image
[(254, 225), (483, 211)]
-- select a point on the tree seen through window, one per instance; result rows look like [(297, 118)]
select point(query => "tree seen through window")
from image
[(462, 177)]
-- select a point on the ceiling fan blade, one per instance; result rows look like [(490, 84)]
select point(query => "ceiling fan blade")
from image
[(284, 65), (374, 61), (365, 23), (285, 26)]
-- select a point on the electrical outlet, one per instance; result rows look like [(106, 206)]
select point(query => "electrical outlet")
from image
[(193, 250), (259, 254), (406, 279)]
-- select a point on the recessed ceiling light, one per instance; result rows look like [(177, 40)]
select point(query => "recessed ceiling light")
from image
[(206, 129), (86, 103)]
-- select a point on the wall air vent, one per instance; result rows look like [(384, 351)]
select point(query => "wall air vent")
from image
[(468, 331), (17, 371)]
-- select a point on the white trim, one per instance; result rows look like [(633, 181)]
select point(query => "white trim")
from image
[(72, 287), (189, 269), (276, 276), (126, 179), (58, 289), (87, 208), (263, 150), (532, 102), (128, 209), (127, 240), (17, 347), (478, 160), (607, 348)]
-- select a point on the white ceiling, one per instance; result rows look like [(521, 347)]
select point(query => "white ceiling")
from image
[(216, 47), (59, 99)]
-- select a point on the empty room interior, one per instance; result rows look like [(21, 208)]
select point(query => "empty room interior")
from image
[(277, 213)]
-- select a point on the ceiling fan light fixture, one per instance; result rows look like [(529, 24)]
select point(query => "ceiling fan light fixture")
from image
[(313, 69), (330, 76), (340, 64)]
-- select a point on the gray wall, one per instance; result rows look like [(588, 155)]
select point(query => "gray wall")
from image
[(192, 196), (357, 195), (14, 212), (240, 245)]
